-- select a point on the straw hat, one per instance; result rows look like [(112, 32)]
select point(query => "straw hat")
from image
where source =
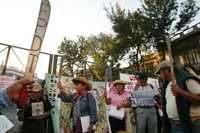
[(84, 81), (119, 82)]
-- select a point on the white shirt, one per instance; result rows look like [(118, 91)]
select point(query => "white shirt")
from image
[(171, 108)]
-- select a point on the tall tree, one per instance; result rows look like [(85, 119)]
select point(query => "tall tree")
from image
[(102, 52), (130, 35), (162, 18), (75, 53), (152, 23)]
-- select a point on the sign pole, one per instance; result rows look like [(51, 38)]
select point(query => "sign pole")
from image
[(169, 49), (38, 38)]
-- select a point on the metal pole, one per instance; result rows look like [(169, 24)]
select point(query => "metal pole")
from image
[(61, 66), (50, 63), (85, 68), (169, 48), (6, 62), (55, 60)]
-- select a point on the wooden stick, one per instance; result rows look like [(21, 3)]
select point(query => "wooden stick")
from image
[(169, 48), (38, 38)]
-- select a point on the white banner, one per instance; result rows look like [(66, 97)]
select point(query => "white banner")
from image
[(38, 38), (154, 83), (130, 79)]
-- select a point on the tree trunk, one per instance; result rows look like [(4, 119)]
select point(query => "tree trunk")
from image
[(137, 59)]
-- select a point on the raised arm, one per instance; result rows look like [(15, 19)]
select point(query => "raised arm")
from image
[(66, 98), (193, 95)]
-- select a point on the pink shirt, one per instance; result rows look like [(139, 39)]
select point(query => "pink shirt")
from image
[(117, 99)]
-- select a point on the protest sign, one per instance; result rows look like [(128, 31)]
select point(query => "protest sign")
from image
[(154, 82), (130, 79)]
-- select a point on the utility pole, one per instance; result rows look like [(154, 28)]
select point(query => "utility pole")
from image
[(169, 48)]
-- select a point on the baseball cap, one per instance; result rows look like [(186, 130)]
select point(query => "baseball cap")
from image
[(163, 64)]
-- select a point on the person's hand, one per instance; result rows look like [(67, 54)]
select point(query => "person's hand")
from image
[(14, 89), (60, 87), (124, 104), (105, 93), (119, 107), (90, 129), (176, 90), (108, 101)]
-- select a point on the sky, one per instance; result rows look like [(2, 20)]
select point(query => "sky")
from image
[(69, 18)]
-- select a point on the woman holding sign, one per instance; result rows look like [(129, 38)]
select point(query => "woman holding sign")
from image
[(84, 111), (116, 99)]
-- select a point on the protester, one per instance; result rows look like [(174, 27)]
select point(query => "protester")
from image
[(180, 99), (117, 97), (144, 100), (159, 110), (83, 103), (10, 95)]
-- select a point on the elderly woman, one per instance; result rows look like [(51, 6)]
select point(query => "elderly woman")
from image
[(83, 103), (117, 97)]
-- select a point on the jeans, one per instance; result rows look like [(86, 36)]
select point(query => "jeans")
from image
[(146, 120), (176, 127)]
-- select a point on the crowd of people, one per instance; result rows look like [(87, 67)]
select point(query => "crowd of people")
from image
[(175, 108)]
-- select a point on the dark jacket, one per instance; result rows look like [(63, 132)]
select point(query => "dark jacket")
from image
[(183, 105), (164, 102), (87, 105)]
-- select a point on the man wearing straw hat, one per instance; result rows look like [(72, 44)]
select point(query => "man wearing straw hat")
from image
[(83, 103), (180, 99)]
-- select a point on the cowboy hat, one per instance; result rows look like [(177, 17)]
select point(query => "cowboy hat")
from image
[(119, 82), (84, 81)]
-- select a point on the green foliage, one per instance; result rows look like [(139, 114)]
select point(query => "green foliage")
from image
[(159, 14), (136, 32), (99, 48), (188, 11), (102, 53), (151, 24), (130, 35), (74, 52)]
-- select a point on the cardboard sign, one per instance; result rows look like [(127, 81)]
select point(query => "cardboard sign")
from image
[(37, 108), (116, 113)]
